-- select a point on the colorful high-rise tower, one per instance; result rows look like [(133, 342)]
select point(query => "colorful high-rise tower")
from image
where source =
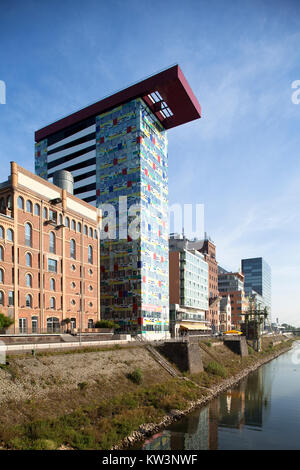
[(116, 150)]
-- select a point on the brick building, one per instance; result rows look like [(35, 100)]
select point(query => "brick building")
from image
[(49, 255), (232, 285), (213, 314)]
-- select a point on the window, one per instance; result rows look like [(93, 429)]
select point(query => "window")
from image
[(28, 260), (85, 230), (73, 323), (28, 280), (29, 206), (60, 219), (95, 235), (34, 324), (73, 225), (52, 303), (90, 323), (73, 249), (1, 253), (79, 227), (11, 298), (10, 235), (73, 285), (90, 288), (53, 215), (90, 254), (1, 276), (52, 265), (22, 325), (1, 232), (37, 210), (73, 302), (52, 284), (45, 213), (9, 203), (91, 232), (28, 301), (73, 267), (20, 203), (53, 325), (67, 222), (52, 242), (28, 235), (1, 298), (2, 204)]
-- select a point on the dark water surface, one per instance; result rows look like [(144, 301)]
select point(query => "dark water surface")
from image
[(261, 412)]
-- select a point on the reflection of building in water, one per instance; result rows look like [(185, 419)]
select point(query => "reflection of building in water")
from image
[(258, 397), (213, 424), (160, 441), (190, 433), (232, 407)]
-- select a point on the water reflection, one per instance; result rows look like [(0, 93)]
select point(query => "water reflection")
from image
[(228, 422)]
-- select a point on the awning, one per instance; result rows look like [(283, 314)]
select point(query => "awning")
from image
[(194, 326)]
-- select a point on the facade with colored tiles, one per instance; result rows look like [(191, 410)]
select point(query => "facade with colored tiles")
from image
[(49, 255), (116, 151)]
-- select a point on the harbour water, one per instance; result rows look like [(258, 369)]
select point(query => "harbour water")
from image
[(261, 412)]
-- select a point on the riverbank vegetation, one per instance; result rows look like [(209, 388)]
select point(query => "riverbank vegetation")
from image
[(100, 420)]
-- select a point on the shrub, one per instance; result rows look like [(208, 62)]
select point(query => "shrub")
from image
[(106, 324), (136, 376), (82, 385), (216, 369), (5, 322)]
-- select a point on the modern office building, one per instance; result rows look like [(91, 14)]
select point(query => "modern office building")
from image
[(213, 314), (257, 274), (49, 255), (116, 150), (188, 288)]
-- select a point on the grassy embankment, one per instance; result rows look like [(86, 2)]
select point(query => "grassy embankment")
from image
[(99, 420)]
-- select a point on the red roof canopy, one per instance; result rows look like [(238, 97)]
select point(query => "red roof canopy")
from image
[(167, 94)]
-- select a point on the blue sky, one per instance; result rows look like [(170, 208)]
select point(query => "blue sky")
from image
[(240, 57)]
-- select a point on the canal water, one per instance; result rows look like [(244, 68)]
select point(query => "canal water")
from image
[(261, 412)]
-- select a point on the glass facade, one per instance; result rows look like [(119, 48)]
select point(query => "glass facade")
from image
[(193, 280), (257, 274)]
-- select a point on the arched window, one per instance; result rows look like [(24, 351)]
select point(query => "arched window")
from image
[(1, 232), (28, 234), (73, 249), (95, 234), (1, 298), (1, 253), (28, 280), (9, 202), (52, 324), (29, 206), (60, 219), (73, 225), (90, 254), (52, 242), (1, 276), (45, 213), (20, 203), (37, 209), (52, 303), (67, 222), (85, 230), (28, 301), (28, 259), (52, 284), (10, 235), (79, 227), (90, 232), (2, 204)]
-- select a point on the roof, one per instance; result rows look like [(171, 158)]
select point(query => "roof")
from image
[(167, 94)]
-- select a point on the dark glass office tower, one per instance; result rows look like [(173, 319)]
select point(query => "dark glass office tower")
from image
[(257, 274)]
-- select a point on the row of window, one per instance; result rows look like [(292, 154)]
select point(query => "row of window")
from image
[(28, 300), (53, 216), (53, 324)]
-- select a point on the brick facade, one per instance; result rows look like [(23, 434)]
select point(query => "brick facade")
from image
[(41, 278)]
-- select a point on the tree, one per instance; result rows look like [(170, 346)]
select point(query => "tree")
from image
[(5, 322)]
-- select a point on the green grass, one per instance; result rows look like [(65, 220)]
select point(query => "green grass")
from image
[(216, 369)]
